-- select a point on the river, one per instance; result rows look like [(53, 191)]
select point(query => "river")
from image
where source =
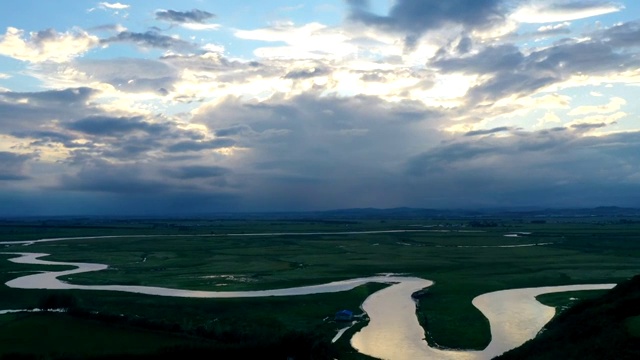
[(393, 331)]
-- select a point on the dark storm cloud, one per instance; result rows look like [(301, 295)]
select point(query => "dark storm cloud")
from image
[(67, 96), (193, 16), (415, 17), (129, 149), (464, 45), (106, 178), (489, 131), (589, 126), (490, 60), (313, 150), (26, 111), (114, 126), (516, 73), (44, 137), (149, 39), (622, 35), (234, 130), (12, 166), (198, 172), (548, 168), (143, 188), (498, 152), (307, 73), (185, 146)]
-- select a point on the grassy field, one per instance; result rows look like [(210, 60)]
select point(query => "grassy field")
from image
[(633, 326), (464, 261), (55, 332)]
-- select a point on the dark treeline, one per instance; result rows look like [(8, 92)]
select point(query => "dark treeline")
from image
[(218, 340)]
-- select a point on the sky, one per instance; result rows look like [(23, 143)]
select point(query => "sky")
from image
[(196, 106)]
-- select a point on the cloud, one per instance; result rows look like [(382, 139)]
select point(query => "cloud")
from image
[(12, 166), (29, 110), (416, 17), (198, 172), (624, 35), (615, 103), (67, 96), (509, 72), (198, 26), (307, 73), (559, 11), (186, 146), (149, 39), (106, 178), (556, 29), (45, 137), (113, 6), (235, 130), (334, 116), (112, 126), (129, 75), (309, 41), (193, 16), (117, 28), (46, 45), (588, 126), (547, 168), (488, 131)]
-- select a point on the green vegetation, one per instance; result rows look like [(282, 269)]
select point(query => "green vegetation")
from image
[(460, 255), (565, 300), (604, 327), (55, 332), (633, 326), (207, 326)]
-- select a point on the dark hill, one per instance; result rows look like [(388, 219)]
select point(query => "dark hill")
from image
[(602, 328)]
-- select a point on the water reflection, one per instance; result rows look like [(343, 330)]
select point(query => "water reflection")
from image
[(393, 331), (515, 316), (49, 280)]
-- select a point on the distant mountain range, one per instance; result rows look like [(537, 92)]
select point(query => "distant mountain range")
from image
[(392, 213), (408, 213)]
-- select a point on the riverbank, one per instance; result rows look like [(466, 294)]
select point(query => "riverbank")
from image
[(515, 316)]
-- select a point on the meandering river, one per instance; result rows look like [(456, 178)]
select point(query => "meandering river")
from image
[(393, 332)]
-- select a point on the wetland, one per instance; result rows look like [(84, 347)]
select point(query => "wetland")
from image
[(225, 256)]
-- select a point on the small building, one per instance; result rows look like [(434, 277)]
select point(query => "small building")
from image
[(344, 315)]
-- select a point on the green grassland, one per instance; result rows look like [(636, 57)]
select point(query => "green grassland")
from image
[(633, 326), (461, 259), (54, 333)]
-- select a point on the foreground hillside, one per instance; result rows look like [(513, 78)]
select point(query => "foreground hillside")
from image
[(607, 327)]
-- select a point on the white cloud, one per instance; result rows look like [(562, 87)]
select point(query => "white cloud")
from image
[(4, 76), (115, 6), (615, 103), (555, 27), (46, 45), (310, 41), (200, 27), (558, 12), (549, 118), (216, 48)]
